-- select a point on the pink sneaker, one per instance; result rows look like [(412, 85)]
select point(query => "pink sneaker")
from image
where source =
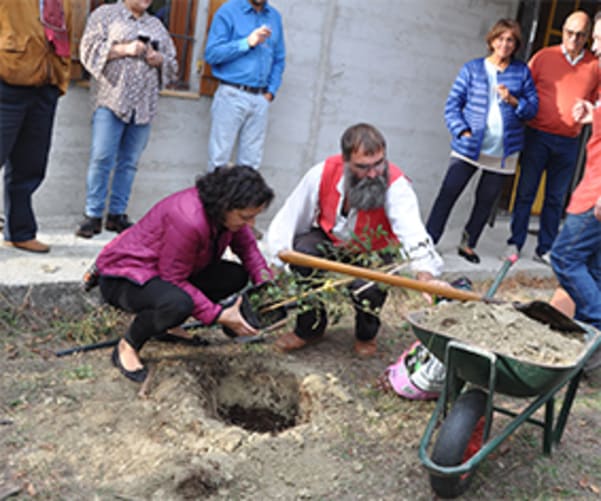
[(399, 375)]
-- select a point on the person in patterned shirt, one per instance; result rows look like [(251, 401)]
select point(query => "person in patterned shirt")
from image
[(130, 56)]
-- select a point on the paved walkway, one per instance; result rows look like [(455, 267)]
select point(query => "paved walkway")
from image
[(70, 255)]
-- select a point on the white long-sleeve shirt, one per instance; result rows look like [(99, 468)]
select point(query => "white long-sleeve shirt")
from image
[(299, 212)]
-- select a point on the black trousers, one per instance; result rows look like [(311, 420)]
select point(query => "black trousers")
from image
[(160, 305), (312, 323), (458, 175)]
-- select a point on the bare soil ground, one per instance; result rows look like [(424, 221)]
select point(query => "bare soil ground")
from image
[(231, 421)]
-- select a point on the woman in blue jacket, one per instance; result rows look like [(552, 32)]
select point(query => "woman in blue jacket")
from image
[(485, 112)]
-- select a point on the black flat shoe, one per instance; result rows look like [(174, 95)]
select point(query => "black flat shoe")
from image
[(472, 257), (137, 376), (192, 341)]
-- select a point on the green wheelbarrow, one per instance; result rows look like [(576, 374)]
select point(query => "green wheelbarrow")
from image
[(464, 411)]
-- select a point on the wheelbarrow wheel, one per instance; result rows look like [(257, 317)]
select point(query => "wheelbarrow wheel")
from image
[(459, 438)]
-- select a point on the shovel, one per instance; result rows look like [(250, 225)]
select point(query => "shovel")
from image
[(537, 310)]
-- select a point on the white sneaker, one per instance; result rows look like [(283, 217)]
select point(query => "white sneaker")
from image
[(511, 251), (543, 258)]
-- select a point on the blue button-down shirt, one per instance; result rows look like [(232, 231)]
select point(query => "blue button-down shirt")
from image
[(230, 56)]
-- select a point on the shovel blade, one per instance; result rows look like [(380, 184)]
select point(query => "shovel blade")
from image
[(548, 315)]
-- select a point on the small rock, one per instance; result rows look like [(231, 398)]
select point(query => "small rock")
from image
[(357, 467), (341, 394), (49, 268), (305, 494)]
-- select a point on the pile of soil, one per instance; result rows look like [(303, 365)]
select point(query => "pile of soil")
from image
[(503, 329)]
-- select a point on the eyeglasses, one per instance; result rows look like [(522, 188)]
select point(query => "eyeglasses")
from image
[(378, 166), (579, 35)]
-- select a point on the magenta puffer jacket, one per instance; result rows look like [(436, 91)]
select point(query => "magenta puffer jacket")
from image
[(173, 241)]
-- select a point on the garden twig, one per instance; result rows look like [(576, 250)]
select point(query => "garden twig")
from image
[(325, 287)]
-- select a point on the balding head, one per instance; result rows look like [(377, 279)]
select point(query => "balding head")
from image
[(580, 17)]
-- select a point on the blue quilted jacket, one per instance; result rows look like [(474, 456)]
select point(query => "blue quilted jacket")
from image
[(467, 107)]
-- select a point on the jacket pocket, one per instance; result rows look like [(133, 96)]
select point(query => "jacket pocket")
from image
[(11, 42), (18, 64)]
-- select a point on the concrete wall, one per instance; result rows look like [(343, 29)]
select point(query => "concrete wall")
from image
[(388, 62)]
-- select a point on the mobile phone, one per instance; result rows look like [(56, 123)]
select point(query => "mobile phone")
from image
[(143, 38)]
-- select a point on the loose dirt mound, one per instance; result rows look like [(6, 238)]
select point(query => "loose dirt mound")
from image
[(503, 329)]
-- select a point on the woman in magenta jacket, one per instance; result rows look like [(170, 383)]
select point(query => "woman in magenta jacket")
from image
[(169, 265)]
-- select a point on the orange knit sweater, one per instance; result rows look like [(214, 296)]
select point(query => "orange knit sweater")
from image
[(559, 86), (589, 189)]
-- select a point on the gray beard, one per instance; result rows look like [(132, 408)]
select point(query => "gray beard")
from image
[(367, 193)]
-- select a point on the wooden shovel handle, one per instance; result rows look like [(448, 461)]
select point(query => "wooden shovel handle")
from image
[(301, 259)]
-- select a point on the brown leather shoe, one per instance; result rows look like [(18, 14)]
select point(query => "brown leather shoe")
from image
[(291, 342), (366, 348), (32, 245)]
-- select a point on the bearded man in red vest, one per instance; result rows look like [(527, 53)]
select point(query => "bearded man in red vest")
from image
[(357, 200)]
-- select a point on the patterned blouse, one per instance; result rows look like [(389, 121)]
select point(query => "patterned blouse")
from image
[(128, 86)]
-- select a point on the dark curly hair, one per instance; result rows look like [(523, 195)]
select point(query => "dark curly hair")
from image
[(229, 188)]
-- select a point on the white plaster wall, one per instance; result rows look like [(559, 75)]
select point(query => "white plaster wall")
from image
[(388, 62)]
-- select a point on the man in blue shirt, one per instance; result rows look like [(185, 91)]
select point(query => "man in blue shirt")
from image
[(246, 51)]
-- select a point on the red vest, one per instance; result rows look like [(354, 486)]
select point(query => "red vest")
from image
[(372, 227)]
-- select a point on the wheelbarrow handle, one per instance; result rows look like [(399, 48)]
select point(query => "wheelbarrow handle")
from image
[(301, 259)]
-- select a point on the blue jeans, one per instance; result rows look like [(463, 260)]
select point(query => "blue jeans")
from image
[(458, 175), (26, 121), (115, 145), (576, 260), (237, 115), (557, 155)]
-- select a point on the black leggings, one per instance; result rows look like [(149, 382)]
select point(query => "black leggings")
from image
[(160, 305), (313, 322)]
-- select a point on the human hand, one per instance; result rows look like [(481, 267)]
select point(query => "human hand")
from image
[(597, 209), (505, 95), (134, 48), (268, 96), (259, 35), (466, 133), (425, 276), (153, 57), (582, 112), (232, 318)]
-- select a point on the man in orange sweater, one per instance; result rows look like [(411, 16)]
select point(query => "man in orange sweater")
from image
[(576, 254), (563, 74)]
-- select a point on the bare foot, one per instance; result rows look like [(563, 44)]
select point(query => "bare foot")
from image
[(129, 357)]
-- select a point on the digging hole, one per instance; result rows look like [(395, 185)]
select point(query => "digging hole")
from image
[(258, 399), (256, 419)]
